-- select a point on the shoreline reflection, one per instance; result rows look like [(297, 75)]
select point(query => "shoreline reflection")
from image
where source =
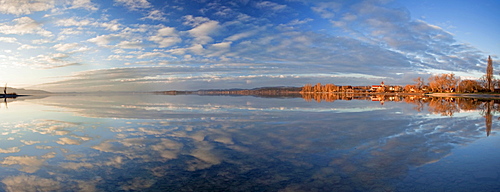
[(445, 106)]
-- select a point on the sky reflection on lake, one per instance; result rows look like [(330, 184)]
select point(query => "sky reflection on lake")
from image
[(224, 143)]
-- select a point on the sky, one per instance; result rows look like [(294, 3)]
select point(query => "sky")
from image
[(152, 45)]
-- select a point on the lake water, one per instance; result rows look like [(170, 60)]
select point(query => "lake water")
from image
[(244, 143)]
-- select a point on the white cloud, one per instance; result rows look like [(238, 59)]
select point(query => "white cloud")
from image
[(118, 51), (134, 4), (167, 31), (201, 32), (65, 47), (299, 22), (26, 46), (73, 22), (111, 26), (194, 21), (152, 54), (197, 49), (219, 49), (24, 25), (19, 7), (165, 41), (8, 39), (242, 35), (49, 61), (270, 5), (392, 29), (85, 4), (223, 45), (78, 22), (41, 41), (156, 15), (103, 40), (166, 37), (59, 55), (294, 24), (70, 31), (10, 150), (131, 45), (327, 9)]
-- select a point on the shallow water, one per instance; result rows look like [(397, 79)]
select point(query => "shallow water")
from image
[(226, 143)]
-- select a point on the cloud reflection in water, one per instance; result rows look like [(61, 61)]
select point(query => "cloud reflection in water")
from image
[(197, 143)]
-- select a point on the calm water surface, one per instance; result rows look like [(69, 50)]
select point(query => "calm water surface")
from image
[(226, 143)]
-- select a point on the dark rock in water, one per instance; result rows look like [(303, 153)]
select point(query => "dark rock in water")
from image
[(10, 95)]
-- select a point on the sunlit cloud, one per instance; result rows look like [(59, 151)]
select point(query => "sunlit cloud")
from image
[(29, 164), (30, 183), (166, 37), (203, 28), (85, 4), (24, 25), (26, 46), (10, 150), (19, 7), (8, 39), (67, 141), (29, 142), (65, 47)]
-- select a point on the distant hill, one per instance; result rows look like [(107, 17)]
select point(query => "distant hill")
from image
[(260, 92), (25, 91)]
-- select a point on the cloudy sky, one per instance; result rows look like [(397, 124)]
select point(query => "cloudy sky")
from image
[(144, 45)]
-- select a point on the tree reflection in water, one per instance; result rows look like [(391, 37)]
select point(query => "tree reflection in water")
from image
[(445, 106)]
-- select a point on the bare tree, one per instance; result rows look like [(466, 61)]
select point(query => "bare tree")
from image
[(469, 86), (443, 82), (419, 83), (307, 88)]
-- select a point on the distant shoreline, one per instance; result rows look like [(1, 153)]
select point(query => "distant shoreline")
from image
[(12, 96)]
